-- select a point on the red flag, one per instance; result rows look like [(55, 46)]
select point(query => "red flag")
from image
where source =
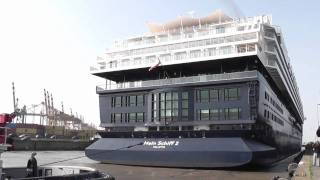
[(155, 65)]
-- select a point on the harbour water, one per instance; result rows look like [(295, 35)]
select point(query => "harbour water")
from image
[(121, 172)]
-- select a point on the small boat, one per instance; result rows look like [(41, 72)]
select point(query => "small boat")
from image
[(56, 172)]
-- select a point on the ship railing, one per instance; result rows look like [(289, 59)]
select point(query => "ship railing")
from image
[(232, 50), (175, 81)]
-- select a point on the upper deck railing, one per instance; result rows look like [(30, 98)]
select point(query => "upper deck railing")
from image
[(176, 81), (194, 32)]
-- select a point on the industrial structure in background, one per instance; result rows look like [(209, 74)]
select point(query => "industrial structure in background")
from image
[(48, 121)]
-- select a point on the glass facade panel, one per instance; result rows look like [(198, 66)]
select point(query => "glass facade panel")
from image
[(132, 100), (168, 105), (175, 96), (185, 113), (204, 114), (231, 94), (214, 114), (168, 96), (204, 96), (118, 101), (140, 117), (185, 104), (214, 95), (175, 104), (184, 95), (140, 100), (232, 113), (132, 117), (118, 117)]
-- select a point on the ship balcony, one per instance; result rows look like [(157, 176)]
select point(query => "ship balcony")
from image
[(195, 31), (245, 75), (214, 52), (276, 65)]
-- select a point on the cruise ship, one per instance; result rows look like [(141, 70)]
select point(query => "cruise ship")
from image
[(201, 92)]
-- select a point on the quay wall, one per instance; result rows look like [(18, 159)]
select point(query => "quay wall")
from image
[(49, 145)]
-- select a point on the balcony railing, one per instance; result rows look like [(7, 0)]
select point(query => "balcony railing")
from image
[(191, 32), (184, 45), (179, 56), (176, 81)]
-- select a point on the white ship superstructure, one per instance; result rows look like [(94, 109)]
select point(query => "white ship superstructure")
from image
[(187, 39)]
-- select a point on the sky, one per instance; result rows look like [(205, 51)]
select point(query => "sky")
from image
[(51, 44)]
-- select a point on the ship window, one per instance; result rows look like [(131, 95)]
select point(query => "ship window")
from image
[(165, 57), (220, 30), (232, 113), (140, 117), (123, 117), (168, 96), (251, 47), (195, 53), (113, 64), (204, 114), (154, 107), (214, 95), (214, 114), (180, 55), (204, 95), (162, 96), (118, 101), (185, 104), (185, 113), (184, 95), (132, 117), (231, 94), (140, 100), (137, 61), (118, 117), (175, 104), (132, 100), (210, 52), (241, 48), (112, 118), (124, 101), (175, 96), (113, 101)]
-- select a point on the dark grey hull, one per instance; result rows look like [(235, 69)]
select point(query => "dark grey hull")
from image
[(182, 152)]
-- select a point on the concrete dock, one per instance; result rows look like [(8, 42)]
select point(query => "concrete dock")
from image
[(306, 171)]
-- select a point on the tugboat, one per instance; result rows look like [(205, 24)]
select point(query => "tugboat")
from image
[(44, 172)]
